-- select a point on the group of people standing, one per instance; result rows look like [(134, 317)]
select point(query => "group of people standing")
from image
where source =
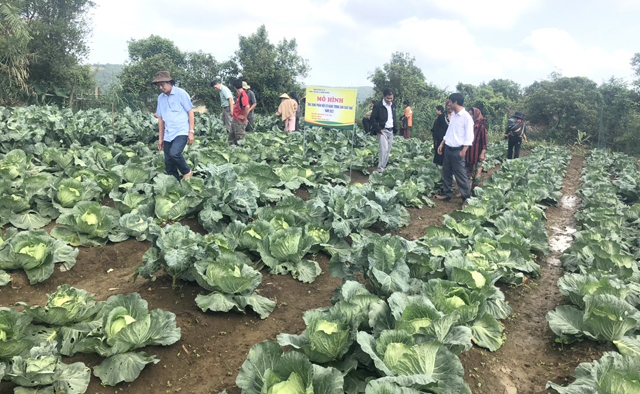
[(176, 117), (460, 144), (475, 153), (459, 136), (459, 139), (460, 147)]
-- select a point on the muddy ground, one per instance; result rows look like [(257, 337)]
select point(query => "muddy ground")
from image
[(530, 357), (214, 345)]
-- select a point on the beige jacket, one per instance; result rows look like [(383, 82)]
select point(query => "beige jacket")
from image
[(287, 108)]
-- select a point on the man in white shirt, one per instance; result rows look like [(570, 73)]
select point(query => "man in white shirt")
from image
[(383, 122), (457, 140)]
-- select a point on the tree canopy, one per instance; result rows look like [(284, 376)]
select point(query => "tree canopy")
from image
[(407, 81), (42, 46), (270, 69), (192, 71)]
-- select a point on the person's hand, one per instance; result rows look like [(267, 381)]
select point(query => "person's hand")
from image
[(190, 138), (160, 145), (463, 153), (482, 156), (440, 149)]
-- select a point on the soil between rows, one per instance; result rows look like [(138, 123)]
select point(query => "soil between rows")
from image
[(214, 345), (530, 357)]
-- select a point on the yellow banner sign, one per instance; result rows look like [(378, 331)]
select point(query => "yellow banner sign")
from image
[(330, 107)]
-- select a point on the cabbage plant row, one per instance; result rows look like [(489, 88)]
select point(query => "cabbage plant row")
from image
[(603, 277), (52, 170), (427, 301), (33, 342)]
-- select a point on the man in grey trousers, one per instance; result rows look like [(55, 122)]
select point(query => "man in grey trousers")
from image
[(226, 103), (457, 140), (383, 121)]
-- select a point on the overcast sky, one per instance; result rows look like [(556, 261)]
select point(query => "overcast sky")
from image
[(344, 41)]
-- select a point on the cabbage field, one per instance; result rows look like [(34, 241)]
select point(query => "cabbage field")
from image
[(287, 266)]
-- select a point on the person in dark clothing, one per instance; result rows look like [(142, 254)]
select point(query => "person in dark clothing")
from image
[(516, 133), (294, 96), (366, 120), (383, 122), (438, 131)]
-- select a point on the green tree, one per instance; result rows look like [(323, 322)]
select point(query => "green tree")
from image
[(564, 107), (14, 54), (468, 91), (270, 69), (635, 64), (407, 81), (192, 71), (59, 29), (619, 114), (494, 105), (510, 90), (146, 57)]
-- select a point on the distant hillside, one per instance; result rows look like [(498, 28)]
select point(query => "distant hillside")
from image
[(364, 93), (106, 74)]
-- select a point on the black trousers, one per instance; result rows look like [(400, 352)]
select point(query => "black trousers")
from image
[(454, 165), (437, 158), (366, 124), (513, 151)]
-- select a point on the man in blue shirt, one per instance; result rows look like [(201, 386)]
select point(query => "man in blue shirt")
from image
[(226, 102), (175, 123)]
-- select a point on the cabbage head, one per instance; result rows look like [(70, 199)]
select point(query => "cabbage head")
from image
[(36, 252), (89, 223), (66, 306), (327, 337), (67, 192), (268, 370)]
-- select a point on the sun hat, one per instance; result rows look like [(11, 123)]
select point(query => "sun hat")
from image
[(518, 115), (162, 76), (284, 96), (245, 85)]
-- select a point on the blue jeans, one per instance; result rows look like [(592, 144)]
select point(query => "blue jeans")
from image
[(173, 159)]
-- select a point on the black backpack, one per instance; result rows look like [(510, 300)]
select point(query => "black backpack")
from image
[(515, 125)]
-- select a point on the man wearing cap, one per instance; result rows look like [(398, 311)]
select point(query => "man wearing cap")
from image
[(383, 123), (252, 104), (287, 110), (175, 123), (226, 102), (240, 112)]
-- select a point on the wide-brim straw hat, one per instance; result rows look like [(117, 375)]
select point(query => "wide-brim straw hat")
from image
[(284, 96), (162, 76), (245, 85)]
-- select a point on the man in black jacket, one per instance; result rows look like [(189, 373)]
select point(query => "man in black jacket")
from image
[(383, 122)]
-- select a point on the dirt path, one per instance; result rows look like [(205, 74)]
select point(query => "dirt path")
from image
[(530, 357), (421, 218)]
